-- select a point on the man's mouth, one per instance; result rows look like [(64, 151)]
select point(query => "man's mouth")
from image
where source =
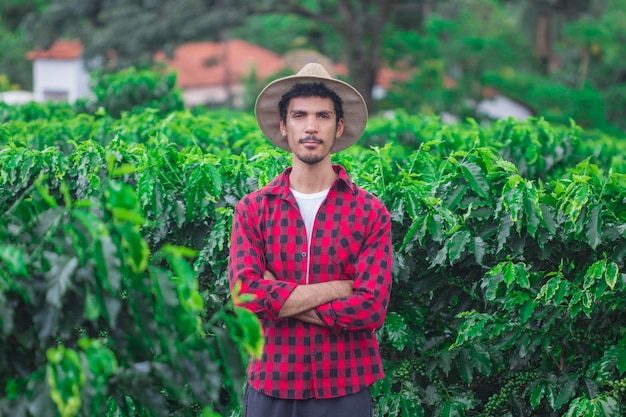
[(310, 139)]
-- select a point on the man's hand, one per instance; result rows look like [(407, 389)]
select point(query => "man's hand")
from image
[(269, 276)]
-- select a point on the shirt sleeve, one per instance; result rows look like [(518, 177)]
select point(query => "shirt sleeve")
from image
[(247, 263), (366, 308)]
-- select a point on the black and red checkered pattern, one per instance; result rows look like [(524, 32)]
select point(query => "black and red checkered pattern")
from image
[(351, 240)]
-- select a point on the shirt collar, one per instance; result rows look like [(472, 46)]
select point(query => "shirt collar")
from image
[(279, 186)]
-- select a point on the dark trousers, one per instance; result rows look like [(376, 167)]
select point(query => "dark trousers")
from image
[(260, 405)]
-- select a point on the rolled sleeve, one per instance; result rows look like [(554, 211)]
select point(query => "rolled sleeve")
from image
[(246, 264), (367, 307)]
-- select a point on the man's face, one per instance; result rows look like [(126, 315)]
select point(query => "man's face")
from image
[(311, 128)]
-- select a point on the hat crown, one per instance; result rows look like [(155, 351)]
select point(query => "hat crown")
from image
[(313, 69)]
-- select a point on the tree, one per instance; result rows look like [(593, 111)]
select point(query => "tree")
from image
[(125, 33), (546, 19), (359, 27), (13, 45), (134, 30)]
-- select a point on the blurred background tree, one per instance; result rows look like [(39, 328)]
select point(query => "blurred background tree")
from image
[(136, 29), (13, 42), (562, 58)]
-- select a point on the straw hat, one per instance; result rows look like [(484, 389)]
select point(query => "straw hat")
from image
[(354, 107)]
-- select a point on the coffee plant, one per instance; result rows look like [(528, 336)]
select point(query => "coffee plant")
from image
[(509, 247)]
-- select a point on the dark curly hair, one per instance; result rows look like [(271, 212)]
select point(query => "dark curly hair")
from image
[(310, 90)]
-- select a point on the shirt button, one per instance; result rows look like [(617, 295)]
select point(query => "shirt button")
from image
[(303, 254)]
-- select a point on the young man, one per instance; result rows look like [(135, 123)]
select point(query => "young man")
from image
[(315, 251)]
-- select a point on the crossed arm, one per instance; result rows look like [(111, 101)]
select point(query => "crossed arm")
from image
[(305, 298)]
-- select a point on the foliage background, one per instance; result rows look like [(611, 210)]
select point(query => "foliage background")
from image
[(509, 244), (561, 58), (509, 236)]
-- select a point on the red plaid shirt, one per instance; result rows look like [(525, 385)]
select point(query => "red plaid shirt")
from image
[(351, 240)]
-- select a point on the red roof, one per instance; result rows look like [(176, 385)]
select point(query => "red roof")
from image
[(210, 63), (385, 77), (61, 49), (201, 64)]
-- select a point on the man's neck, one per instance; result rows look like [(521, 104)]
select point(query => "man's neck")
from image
[(309, 179)]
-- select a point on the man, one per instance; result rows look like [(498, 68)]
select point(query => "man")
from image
[(315, 251)]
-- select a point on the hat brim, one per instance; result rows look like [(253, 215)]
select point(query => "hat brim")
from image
[(354, 109)]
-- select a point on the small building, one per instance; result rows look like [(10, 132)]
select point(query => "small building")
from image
[(16, 97), (495, 105), (214, 73), (59, 73), (208, 73)]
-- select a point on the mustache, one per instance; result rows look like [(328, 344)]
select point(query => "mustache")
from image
[(310, 138)]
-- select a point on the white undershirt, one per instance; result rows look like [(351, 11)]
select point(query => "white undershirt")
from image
[(309, 204)]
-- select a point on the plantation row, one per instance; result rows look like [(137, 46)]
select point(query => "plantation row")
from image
[(509, 248)]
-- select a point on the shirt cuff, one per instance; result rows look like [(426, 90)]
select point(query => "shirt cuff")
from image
[(279, 293), (327, 315)]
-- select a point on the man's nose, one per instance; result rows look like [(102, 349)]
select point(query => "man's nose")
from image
[(311, 124)]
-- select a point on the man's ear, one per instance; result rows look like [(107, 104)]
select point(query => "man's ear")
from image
[(283, 128), (340, 126)]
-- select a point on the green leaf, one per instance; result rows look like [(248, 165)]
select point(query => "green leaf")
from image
[(568, 384), (521, 275), (578, 199), (251, 327), (123, 169), (612, 275), (594, 226), (480, 358), (620, 359), (491, 281), (531, 208), (457, 406), (410, 406), (108, 263), (410, 233), (513, 199), (451, 409), (526, 311), (594, 273), (609, 406), (216, 179), (455, 195), (580, 407), (472, 327), (537, 394), (477, 247), (136, 248), (396, 330), (145, 189), (464, 365), (504, 232), (59, 277), (65, 377), (548, 219), (590, 388), (435, 227), (476, 178), (457, 244), (550, 395), (14, 258), (509, 273), (549, 289)]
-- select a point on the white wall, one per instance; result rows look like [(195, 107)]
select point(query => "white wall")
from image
[(60, 79), (193, 96), (501, 107)]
